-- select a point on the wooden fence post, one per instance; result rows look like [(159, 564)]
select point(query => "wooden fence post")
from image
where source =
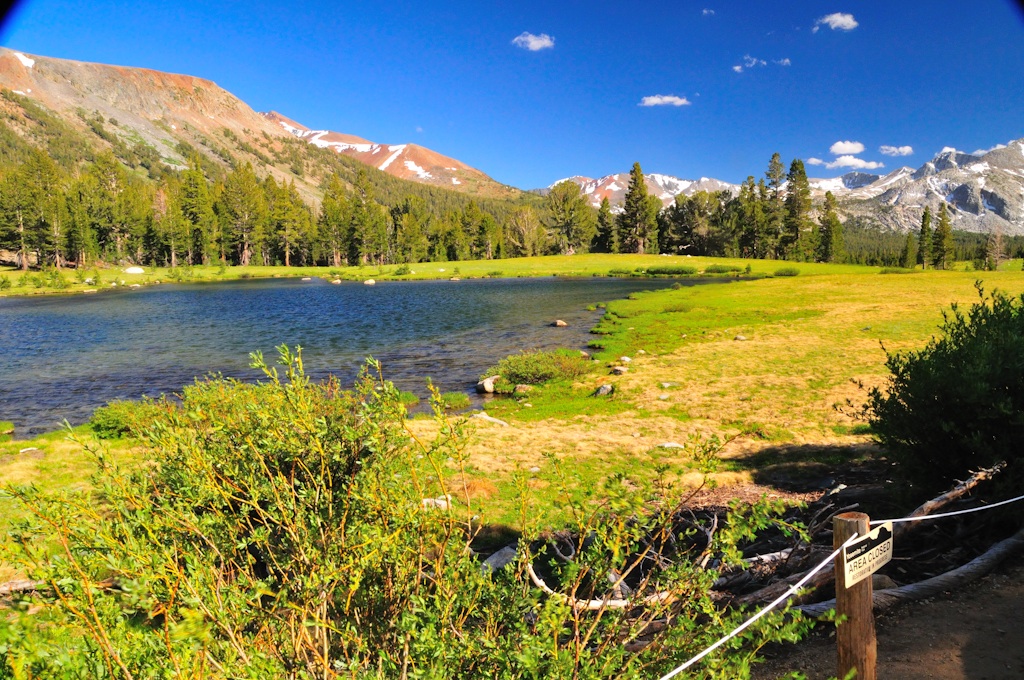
[(855, 636)]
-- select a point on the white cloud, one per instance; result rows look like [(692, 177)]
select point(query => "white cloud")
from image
[(947, 149), (896, 150), (737, 68), (846, 147), (664, 100), (707, 12), (982, 152), (751, 62), (815, 161), (837, 21), (855, 163), (419, 128), (529, 41), (782, 62)]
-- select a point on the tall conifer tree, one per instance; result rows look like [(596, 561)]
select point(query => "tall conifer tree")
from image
[(942, 240), (924, 239), (638, 226)]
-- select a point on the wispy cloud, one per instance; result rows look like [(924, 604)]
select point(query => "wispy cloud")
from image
[(534, 43), (853, 162), (707, 12), (887, 150), (815, 161), (664, 100), (846, 147), (419, 128), (782, 62), (737, 68), (754, 62), (982, 152), (837, 21)]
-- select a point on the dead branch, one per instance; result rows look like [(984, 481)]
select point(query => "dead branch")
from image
[(955, 578), (595, 605), (957, 492), (12, 587)]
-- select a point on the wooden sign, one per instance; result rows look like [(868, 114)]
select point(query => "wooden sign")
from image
[(868, 554)]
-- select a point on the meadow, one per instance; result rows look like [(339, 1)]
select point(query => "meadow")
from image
[(778, 367)]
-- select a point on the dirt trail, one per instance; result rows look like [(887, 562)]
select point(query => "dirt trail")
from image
[(976, 633)]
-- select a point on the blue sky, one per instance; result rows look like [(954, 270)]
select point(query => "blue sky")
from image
[(738, 80)]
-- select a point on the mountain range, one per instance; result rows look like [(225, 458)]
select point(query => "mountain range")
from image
[(176, 115)]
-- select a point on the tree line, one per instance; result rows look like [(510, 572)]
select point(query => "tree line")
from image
[(103, 211)]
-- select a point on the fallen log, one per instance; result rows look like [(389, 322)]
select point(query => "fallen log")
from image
[(12, 587), (595, 605), (956, 493), (955, 578)]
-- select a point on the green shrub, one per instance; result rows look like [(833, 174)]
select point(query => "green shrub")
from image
[(620, 272), (5, 283), (6, 430), (722, 269), (496, 274), (897, 270), (120, 418), (537, 368), (280, 530), (672, 270), (958, 404), (402, 270), (787, 271)]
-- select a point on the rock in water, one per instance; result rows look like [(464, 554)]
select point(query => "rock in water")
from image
[(486, 386), (369, 282), (559, 323)]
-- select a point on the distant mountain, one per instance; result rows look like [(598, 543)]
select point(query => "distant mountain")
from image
[(173, 116), (665, 187), (983, 192), (406, 161)]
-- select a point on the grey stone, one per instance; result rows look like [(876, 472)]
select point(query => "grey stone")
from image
[(488, 419), (603, 391), (500, 559)]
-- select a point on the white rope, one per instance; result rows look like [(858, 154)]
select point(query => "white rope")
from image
[(746, 624), (948, 514)]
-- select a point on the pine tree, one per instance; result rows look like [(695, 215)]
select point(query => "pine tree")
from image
[(942, 240), (795, 242), (607, 239), (525, 234), (830, 234), (638, 226), (245, 210), (570, 219), (197, 210), (909, 255), (774, 207), (924, 239), (995, 247)]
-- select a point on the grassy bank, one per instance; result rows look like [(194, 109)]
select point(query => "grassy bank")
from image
[(14, 282)]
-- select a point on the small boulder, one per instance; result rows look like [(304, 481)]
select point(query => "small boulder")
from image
[(625, 360), (603, 391), (522, 389), (307, 278), (619, 370), (740, 338), (441, 502), (671, 445), (640, 351), (669, 385), (134, 270), (882, 582), (336, 282), (369, 282), (534, 469), (559, 323), (500, 559), (486, 386), (663, 397), (584, 354)]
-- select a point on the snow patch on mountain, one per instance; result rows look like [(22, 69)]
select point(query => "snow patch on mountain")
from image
[(396, 151), (26, 61)]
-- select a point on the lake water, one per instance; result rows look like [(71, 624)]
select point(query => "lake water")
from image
[(63, 356)]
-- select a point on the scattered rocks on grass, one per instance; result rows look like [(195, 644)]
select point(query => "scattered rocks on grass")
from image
[(620, 370), (603, 391), (625, 360)]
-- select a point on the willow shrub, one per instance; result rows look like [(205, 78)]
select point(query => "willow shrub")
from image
[(280, 531), (957, 405)]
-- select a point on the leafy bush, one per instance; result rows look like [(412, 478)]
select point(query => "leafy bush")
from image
[(403, 270), (537, 368), (281, 531), (408, 398), (672, 270), (958, 404), (6, 430), (5, 283), (787, 271), (721, 269), (120, 418), (897, 270)]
